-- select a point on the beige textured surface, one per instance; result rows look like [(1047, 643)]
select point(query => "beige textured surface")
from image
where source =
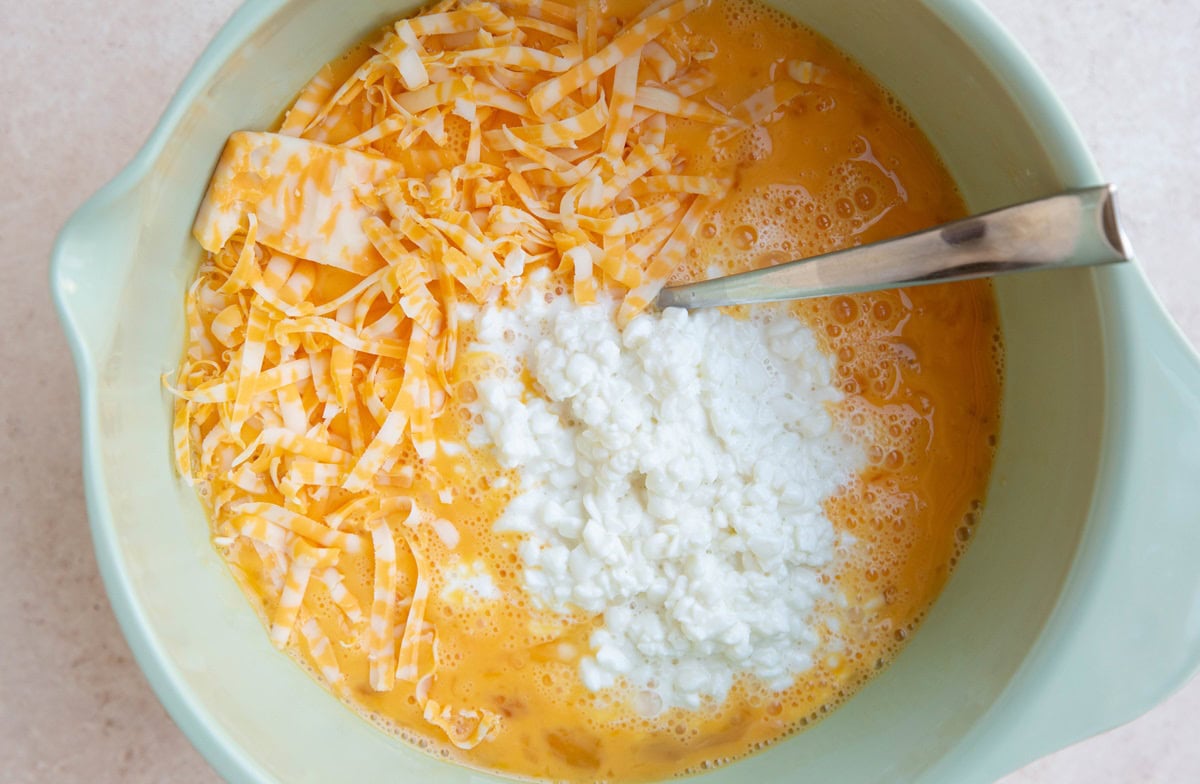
[(81, 87)]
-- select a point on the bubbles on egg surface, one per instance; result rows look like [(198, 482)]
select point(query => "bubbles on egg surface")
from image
[(772, 258), (748, 147), (844, 309), (744, 237), (755, 230), (865, 198), (997, 350), (748, 17), (458, 135)]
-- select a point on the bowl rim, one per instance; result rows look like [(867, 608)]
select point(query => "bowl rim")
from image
[(987, 38), (222, 751)]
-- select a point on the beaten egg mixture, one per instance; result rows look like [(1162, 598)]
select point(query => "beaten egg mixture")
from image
[(352, 364)]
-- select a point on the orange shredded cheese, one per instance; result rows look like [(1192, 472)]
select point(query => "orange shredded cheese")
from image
[(381, 638)]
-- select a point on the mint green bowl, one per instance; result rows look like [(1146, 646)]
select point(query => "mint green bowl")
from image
[(1076, 609)]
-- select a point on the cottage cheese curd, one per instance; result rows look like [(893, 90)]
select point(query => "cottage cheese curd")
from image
[(672, 478)]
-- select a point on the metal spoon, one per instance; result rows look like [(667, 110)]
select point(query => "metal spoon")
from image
[(1077, 228)]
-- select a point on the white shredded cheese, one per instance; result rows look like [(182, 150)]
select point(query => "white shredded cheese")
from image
[(672, 475), (468, 584)]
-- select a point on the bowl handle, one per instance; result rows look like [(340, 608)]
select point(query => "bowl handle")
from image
[(1126, 631), (89, 264)]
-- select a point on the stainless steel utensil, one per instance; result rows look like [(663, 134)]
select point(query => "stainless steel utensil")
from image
[(1073, 229)]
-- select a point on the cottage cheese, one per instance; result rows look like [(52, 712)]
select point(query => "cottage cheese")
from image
[(671, 479)]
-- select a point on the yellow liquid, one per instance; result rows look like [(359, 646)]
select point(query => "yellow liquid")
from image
[(840, 166)]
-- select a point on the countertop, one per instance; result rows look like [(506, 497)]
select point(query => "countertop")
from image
[(82, 85)]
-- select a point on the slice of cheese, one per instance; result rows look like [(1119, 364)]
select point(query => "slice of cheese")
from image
[(303, 195)]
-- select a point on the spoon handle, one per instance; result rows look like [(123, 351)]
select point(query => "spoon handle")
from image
[(1072, 229)]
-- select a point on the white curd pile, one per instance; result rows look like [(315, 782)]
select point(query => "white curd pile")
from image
[(672, 478)]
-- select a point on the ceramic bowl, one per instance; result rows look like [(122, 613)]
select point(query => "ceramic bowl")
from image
[(1076, 608)]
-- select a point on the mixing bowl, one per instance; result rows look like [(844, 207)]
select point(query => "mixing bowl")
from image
[(1075, 609)]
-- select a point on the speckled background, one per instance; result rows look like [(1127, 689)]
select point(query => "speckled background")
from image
[(81, 85)]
